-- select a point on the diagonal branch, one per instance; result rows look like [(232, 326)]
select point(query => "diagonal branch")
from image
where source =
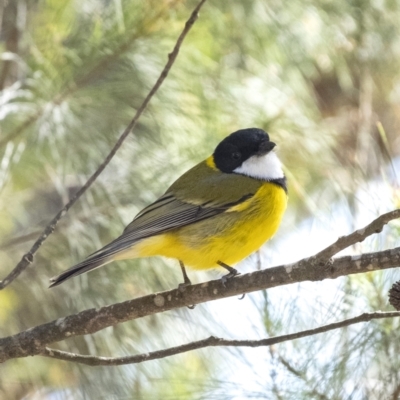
[(28, 257), (211, 341), (357, 236), (34, 340)]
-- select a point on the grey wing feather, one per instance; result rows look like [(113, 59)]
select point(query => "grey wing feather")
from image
[(163, 215)]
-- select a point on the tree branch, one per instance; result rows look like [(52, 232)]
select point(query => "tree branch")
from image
[(357, 236), (212, 341), (28, 257), (34, 340)]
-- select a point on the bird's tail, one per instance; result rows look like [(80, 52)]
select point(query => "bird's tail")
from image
[(96, 260)]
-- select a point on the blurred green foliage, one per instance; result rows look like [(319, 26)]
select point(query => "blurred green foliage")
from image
[(322, 77)]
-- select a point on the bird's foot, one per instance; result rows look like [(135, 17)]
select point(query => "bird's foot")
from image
[(232, 272), (231, 275), (186, 282), (182, 286)]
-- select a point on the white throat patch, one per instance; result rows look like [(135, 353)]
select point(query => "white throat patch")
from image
[(265, 167)]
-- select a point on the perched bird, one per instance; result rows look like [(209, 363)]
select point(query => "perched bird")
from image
[(215, 214)]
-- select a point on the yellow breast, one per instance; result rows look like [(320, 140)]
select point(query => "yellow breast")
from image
[(228, 237)]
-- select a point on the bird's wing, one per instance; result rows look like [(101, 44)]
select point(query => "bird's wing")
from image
[(165, 214)]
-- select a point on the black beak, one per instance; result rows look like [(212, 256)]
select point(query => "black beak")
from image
[(265, 147)]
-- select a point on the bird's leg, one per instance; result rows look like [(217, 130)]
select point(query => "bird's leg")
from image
[(232, 272), (186, 282)]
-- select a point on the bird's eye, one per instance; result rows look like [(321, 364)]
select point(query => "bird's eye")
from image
[(236, 155)]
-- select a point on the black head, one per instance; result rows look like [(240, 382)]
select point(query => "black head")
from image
[(239, 146)]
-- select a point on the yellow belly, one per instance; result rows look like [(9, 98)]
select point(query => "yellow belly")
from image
[(228, 237)]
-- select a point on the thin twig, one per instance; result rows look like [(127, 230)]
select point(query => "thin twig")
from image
[(357, 236), (28, 257), (34, 340), (212, 341)]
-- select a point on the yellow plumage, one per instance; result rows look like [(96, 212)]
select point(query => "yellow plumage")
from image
[(241, 230)]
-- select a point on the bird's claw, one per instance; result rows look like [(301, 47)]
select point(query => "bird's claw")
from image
[(181, 288), (231, 275)]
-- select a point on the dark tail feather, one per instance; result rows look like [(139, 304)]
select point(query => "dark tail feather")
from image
[(81, 268)]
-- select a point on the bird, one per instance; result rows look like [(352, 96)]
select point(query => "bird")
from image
[(216, 214)]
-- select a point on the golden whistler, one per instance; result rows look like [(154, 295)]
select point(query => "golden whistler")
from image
[(215, 214)]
